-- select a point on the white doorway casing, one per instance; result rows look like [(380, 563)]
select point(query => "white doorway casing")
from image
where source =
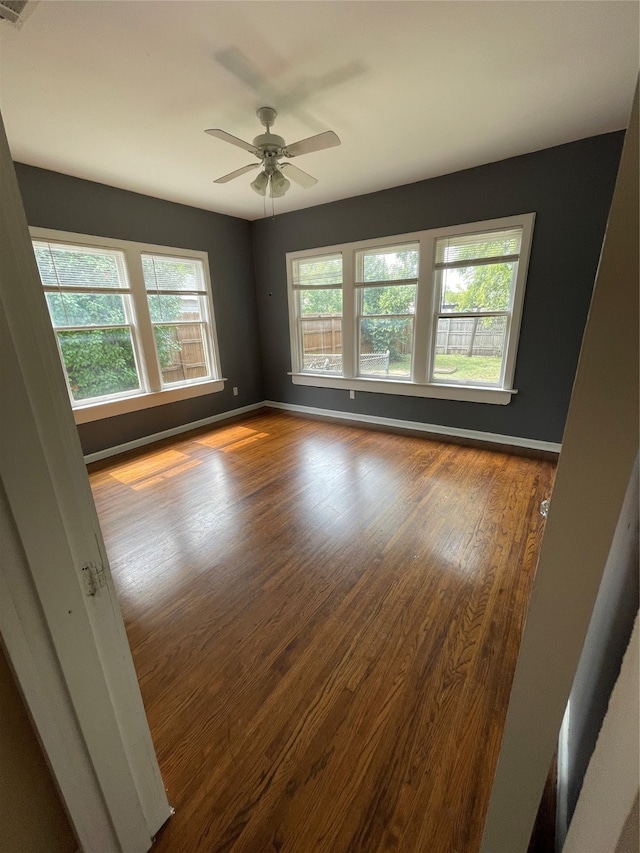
[(599, 449), (68, 650)]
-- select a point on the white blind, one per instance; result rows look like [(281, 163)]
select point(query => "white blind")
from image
[(391, 263), (79, 266), (469, 247), (164, 273), (322, 271)]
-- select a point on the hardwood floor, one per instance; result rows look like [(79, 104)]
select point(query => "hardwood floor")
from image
[(325, 622)]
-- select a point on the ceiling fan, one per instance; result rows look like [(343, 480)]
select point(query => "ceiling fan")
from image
[(270, 149)]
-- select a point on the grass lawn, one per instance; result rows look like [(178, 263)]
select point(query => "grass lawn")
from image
[(477, 368), (456, 368)]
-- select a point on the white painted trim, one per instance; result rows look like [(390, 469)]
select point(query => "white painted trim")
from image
[(610, 785), (412, 236), (330, 414), (168, 433), (468, 393), (33, 660), (599, 449), (562, 782), (152, 392), (136, 402), (421, 383), (416, 426), (122, 801)]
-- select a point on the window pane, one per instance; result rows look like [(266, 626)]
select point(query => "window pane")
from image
[(390, 263), (469, 349), (318, 272), (400, 299), (466, 247), (385, 346), (86, 309), (182, 352), (322, 344), (99, 362), (78, 266), (484, 288), (168, 308), (162, 273), (318, 302)]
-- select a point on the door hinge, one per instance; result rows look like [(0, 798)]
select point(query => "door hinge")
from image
[(93, 578)]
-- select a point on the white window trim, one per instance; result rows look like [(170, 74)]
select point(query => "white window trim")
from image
[(425, 319), (96, 409)]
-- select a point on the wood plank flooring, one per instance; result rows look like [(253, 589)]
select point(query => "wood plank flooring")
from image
[(325, 622)]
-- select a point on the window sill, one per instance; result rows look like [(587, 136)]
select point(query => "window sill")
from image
[(95, 411), (467, 393)]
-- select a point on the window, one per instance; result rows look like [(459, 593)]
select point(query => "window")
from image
[(433, 314), (317, 285), (475, 277), (134, 323), (386, 282), (177, 298)]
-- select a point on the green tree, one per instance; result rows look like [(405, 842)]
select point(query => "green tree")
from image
[(316, 276), (486, 288), (320, 302), (98, 362)]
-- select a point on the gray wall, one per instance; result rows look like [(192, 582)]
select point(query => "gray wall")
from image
[(58, 201), (568, 187)]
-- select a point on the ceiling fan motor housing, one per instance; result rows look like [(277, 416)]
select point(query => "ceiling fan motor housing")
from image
[(269, 142)]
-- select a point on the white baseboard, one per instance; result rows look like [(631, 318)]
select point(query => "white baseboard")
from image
[(168, 433), (415, 426), (332, 414)]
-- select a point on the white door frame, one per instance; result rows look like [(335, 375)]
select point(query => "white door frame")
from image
[(599, 449), (68, 650)]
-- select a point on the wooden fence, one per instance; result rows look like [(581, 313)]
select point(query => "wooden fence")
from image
[(456, 336), (470, 336), (189, 356), (323, 335)]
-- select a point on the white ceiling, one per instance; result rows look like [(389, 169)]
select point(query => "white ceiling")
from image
[(120, 91)]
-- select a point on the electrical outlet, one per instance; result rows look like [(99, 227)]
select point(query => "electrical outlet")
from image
[(235, 392), (352, 395)]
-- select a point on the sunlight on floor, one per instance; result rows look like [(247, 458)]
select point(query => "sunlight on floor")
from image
[(171, 472), (135, 472), (226, 439)]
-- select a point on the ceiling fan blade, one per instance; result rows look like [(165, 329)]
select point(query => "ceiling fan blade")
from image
[(303, 178), (307, 87), (235, 62), (236, 174), (313, 143), (227, 137)]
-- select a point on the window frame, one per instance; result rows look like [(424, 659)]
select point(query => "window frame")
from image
[(298, 290), (361, 285), (425, 323), (153, 391), (202, 294)]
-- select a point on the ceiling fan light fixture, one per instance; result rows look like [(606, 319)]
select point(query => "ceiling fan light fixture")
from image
[(279, 185), (260, 184)]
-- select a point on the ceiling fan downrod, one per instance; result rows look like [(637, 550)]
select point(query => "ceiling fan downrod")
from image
[(267, 116)]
